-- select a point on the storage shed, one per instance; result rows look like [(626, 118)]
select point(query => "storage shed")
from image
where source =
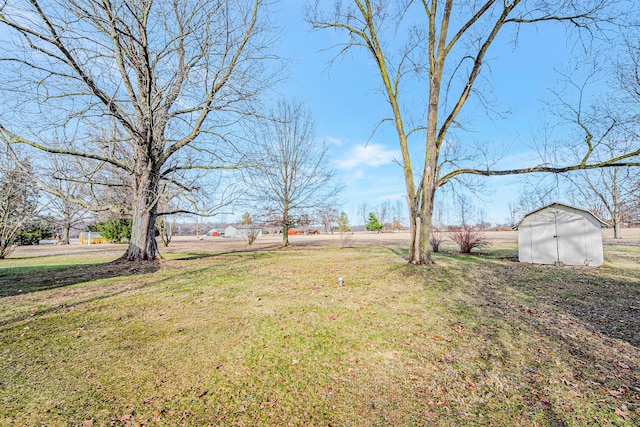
[(91, 238), (561, 235)]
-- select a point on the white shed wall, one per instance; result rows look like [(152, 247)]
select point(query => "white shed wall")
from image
[(560, 233), (230, 231)]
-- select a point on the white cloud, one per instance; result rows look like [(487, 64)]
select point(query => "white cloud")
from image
[(334, 142), (372, 155)]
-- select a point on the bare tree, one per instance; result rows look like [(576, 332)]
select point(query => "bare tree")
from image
[(294, 173), (443, 45), (328, 217), (167, 225), (148, 88), (613, 121), (398, 213), (344, 230), (62, 201), (384, 213), (605, 193), (363, 211), (18, 201), (465, 208)]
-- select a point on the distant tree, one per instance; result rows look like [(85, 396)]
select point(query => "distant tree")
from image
[(304, 222), (246, 219), (344, 230), (34, 230), (397, 225), (252, 233), (373, 224), (398, 214), (18, 201), (272, 222), (363, 211), (63, 202), (115, 230), (328, 217), (384, 214), (605, 193), (532, 196), (167, 227), (294, 173), (343, 222), (465, 208)]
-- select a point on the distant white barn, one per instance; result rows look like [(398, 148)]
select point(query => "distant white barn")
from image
[(233, 231), (561, 235)]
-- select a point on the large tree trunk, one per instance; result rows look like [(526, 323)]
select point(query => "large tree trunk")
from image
[(617, 234), (615, 214), (426, 217), (66, 229), (143, 245), (414, 230)]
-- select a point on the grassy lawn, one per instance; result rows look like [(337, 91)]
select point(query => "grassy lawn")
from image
[(267, 337)]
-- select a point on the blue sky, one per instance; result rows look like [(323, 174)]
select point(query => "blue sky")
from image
[(347, 106)]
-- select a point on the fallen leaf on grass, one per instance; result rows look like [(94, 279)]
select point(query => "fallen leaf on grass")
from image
[(541, 402), (618, 392), (202, 393), (621, 413), (623, 365)]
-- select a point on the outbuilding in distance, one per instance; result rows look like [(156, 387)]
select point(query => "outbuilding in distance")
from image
[(234, 231), (560, 234)]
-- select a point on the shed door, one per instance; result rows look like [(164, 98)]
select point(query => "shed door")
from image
[(572, 238), (558, 236), (543, 241)]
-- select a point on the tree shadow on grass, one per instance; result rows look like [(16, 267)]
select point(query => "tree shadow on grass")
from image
[(24, 280), (603, 303), (255, 250), (587, 313)]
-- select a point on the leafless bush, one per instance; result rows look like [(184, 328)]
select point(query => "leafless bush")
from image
[(345, 238), (252, 235), (467, 238), (437, 238)]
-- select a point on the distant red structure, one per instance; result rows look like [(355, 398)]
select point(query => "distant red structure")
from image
[(293, 232)]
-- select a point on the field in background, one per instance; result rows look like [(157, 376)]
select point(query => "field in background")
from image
[(222, 334)]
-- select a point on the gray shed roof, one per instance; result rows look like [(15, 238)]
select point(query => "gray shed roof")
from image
[(556, 204)]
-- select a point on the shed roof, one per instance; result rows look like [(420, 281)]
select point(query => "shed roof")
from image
[(556, 204)]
